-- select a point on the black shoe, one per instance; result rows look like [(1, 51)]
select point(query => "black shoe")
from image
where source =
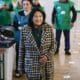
[(17, 74), (57, 51), (67, 53)]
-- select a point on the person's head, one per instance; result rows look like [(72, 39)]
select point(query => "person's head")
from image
[(63, 0), (19, 3), (35, 2), (37, 17), (27, 5)]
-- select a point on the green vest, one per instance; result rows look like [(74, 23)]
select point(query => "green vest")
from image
[(5, 16), (63, 18)]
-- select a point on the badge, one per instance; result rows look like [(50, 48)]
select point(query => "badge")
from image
[(63, 12), (58, 7)]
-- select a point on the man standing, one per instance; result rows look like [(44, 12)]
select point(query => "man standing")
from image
[(62, 18)]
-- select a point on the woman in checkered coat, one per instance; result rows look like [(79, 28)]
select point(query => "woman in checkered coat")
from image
[(36, 48)]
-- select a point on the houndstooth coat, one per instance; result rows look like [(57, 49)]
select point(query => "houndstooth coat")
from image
[(29, 54)]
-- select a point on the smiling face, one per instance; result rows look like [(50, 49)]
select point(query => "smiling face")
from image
[(38, 18), (27, 6)]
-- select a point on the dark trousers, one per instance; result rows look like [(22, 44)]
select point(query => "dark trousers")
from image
[(17, 58), (17, 55), (17, 39), (67, 38)]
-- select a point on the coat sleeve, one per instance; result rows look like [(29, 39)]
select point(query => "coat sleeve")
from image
[(53, 42), (21, 53), (52, 48)]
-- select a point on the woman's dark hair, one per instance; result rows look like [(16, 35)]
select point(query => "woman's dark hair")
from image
[(66, 0), (35, 6), (30, 23), (29, 1)]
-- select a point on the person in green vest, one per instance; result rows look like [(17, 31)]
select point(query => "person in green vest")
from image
[(19, 6), (36, 4), (5, 15), (63, 21)]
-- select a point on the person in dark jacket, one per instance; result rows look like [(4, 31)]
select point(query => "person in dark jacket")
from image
[(63, 21), (20, 21)]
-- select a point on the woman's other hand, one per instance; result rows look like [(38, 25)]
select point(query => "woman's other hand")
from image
[(43, 59)]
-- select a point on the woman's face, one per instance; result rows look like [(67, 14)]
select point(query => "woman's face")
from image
[(27, 6), (38, 18), (36, 2)]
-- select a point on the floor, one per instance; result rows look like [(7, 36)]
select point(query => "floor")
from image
[(68, 67)]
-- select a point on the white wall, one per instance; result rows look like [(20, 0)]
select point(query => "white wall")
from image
[(77, 4), (48, 6)]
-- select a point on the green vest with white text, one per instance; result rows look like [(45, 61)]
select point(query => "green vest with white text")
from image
[(63, 15)]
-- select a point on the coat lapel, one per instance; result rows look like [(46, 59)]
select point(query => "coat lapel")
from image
[(43, 38), (32, 40)]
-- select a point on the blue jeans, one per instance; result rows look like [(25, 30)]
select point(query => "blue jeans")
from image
[(67, 39)]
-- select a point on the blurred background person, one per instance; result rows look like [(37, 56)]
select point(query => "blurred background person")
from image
[(5, 12), (17, 5), (20, 20), (36, 4)]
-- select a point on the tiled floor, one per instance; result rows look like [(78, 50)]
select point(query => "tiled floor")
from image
[(68, 67)]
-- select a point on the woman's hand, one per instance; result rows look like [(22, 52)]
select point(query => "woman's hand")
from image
[(43, 59)]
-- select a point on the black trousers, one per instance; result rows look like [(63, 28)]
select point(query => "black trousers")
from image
[(66, 36), (17, 56)]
